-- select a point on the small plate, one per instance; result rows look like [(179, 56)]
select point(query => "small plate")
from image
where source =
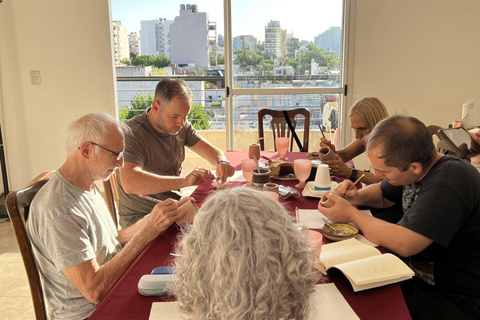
[(309, 190), (290, 176), (348, 230)]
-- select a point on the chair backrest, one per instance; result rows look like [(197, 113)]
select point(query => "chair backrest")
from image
[(18, 205), (111, 196), (280, 127), (442, 146)]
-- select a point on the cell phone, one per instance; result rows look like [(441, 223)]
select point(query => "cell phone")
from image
[(460, 141)]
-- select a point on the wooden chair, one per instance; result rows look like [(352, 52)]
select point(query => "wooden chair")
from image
[(111, 196), (442, 146), (18, 205), (280, 127)]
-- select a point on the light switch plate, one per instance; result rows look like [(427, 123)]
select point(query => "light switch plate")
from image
[(35, 77)]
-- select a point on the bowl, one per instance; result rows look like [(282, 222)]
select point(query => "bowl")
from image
[(343, 231)]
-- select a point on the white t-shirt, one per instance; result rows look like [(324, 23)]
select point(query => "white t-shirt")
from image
[(68, 226)]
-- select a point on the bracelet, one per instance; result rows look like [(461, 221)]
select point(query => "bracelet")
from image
[(223, 161), (353, 174)]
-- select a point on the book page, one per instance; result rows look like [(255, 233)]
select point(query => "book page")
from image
[(326, 303), (345, 251), (375, 271)]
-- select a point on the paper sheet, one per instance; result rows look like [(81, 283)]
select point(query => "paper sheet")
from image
[(327, 303), (313, 219)]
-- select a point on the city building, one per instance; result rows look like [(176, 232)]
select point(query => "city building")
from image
[(292, 44), (134, 43), (154, 37), (120, 42), (247, 41), (190, 39), (330, 40), (275, 39)]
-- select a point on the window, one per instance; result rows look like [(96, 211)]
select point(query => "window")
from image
[(277, 55)]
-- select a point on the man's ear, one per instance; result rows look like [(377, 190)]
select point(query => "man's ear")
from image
[(417, 167), (156, 106), (86, 149)]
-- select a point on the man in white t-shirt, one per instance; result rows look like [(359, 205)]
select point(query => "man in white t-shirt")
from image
[(79, 252)]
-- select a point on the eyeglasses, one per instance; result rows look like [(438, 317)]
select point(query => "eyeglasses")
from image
[(117, 154)]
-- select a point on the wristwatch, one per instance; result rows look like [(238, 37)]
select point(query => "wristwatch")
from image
[(353, 174), (223, 161)]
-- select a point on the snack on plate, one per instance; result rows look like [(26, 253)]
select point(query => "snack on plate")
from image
[(313, 155), (280, 168)]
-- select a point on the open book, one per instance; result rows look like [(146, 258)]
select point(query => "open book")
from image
[(364, 266)]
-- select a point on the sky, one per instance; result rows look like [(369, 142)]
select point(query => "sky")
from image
[(306, 19)]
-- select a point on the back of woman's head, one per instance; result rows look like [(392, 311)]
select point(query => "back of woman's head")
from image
[(244, 259), (370, 109)]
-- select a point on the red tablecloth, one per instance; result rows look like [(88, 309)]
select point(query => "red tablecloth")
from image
[(124, 301)]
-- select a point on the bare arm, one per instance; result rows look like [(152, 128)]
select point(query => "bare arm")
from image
[(340, 169), (95, 281), (396, 238), (213, 155), (136, 180), (355, 148)]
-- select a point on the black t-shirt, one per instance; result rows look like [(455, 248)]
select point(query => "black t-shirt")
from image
[(445, 206)]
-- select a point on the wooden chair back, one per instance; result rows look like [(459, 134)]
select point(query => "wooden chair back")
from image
[(18, 205), (111, 196), (280, 127), (442, 146)]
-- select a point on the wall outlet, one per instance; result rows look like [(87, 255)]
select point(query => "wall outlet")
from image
[(467, 120)]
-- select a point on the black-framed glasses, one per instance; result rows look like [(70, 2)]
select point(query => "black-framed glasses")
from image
[(117, 154)]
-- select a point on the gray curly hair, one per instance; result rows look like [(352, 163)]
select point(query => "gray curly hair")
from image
[(244, 259)]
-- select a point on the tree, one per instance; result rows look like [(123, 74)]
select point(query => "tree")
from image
[(314, 53), (245, 57), (138, 105), (154, 61), (198, 117)]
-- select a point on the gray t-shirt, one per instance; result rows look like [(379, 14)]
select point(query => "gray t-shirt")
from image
[(68, 226), (161, 154)]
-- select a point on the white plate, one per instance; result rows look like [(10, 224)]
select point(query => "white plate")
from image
[(309, 190)]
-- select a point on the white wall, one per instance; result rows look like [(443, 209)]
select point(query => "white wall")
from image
[(418, 57), (69, 43)]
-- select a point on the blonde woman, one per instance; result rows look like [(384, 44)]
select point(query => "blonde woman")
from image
[(364, 116)]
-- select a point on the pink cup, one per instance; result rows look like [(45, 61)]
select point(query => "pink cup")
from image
[(315, 239), (247, 166)]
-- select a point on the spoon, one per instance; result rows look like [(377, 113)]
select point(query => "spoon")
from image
[(256, 162), (335, 231)]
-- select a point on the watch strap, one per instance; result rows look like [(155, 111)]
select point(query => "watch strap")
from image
[(353, 174)]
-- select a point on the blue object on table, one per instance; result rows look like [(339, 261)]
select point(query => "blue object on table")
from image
[(164, 270)]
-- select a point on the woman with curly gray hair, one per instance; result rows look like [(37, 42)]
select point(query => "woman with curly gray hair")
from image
[(244, 259)]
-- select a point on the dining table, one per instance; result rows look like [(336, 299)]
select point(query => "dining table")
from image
[(125, 302)]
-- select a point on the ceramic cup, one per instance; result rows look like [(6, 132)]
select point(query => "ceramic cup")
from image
[(187, 219), (254, 150), (327, 154), (327, 203), (260, 178), (272, 195), (273, 187)]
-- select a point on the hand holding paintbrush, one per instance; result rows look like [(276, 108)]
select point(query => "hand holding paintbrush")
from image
[(324, 142)]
